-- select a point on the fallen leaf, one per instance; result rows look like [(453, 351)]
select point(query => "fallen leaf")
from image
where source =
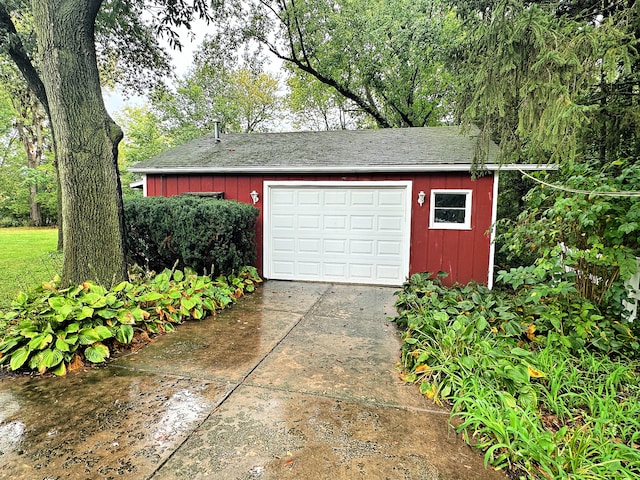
[(535, 373)]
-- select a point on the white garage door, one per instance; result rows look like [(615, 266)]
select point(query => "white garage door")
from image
[(354, 232)]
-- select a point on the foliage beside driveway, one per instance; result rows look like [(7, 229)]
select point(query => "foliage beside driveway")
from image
[(538, 378), (54, 330)]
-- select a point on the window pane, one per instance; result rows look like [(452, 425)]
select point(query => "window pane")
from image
[(448, 216), (451, 200)]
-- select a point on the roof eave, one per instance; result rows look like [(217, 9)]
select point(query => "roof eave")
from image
[(341, 169)]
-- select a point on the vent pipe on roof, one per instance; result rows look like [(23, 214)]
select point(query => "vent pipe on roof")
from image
[(216, 130)]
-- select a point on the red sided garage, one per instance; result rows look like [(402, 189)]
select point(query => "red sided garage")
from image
[(358, 206)]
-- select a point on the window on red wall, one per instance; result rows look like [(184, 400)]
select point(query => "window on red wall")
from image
[(450, 209)]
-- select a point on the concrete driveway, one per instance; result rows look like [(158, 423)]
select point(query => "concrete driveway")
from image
[(298, 381)]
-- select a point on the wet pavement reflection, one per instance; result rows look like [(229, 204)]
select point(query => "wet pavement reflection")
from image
[(296, 381)]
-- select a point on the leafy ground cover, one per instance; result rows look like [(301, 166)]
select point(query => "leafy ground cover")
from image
[(56, 330), (538, 378), (27, 258)]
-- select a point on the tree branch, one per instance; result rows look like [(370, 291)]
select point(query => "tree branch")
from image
[(19, 55)]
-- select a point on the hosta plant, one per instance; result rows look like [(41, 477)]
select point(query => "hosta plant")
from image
[(52, 329)]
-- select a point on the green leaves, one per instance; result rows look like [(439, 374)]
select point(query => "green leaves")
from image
[(96, 353), (531, 403), (48, 329), (201, 233), (19, 357), (124, 334)]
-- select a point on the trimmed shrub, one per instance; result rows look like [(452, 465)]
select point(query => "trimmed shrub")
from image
[(207, 235)]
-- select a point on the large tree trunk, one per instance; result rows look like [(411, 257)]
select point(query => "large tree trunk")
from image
[(86, 141)]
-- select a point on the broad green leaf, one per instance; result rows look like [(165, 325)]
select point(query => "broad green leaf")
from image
[(21, 299), (62, 345), (60, 370), (19, 357), (37, 362), (175, 294), (481, 324), (138, 314), (178, 276), (440, 316), (124, 334), (40, 341), (208, 304), (121, 286), (107, 313), (96, 353), (188, 303), (86, 312), (126, 317), (91, 335), (64, 311), (57, 302), (51, 357), (87, 336), (103, 332), (150, 297), (519, 374), (8, 343), (72, 327)]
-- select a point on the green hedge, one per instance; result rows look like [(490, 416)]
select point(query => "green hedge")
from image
[(207, 235)]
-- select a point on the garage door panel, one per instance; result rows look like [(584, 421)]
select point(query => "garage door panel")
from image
[(362, 222), (390, 198), (338, 233), (336, 197), (388, 272), (309, 268), (283, 221), (335, 222), (283, 268), (309, 198), (390, 224), (309, 222), (366, 198), (334, 246), (361, 271), (361, 247), (334, 270), (389, 248), (309, 245), (283, 197), (284, 245)]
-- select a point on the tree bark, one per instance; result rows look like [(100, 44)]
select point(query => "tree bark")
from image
[(86, 142), (30, 124)]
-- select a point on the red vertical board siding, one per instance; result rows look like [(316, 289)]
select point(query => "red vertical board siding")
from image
[(464, 254)]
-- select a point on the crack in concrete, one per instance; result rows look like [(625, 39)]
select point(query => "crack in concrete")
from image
[(238, 384)]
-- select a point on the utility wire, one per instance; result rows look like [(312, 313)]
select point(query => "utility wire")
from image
[(584, 192)]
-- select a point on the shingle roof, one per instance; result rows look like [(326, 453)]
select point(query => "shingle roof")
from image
[(384, 150)]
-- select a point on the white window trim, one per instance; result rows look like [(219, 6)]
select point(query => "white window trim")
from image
[(450, 226)]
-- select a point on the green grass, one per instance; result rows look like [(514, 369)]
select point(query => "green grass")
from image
[(28, 257)]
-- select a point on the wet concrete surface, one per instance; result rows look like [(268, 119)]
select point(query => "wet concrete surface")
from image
[(297, 381)]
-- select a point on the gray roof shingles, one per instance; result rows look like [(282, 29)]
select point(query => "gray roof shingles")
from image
[(384, 150)]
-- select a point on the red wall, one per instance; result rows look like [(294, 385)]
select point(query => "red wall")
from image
[(462, 253)]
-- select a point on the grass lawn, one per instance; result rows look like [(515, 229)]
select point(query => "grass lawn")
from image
[(27, 257)]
